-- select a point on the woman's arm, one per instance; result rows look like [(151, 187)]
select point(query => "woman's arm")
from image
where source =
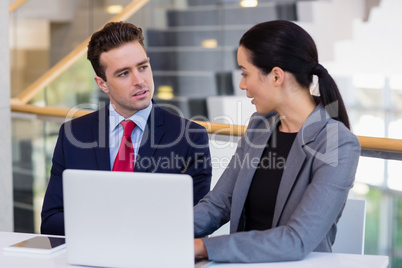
[(312, 218)]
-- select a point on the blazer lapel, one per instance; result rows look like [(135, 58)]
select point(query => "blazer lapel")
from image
[(293, 165), (247, 170), (101, 135), (297, 155), (152, 136)]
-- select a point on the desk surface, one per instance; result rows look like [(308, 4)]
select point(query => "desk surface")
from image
[(59, 259)]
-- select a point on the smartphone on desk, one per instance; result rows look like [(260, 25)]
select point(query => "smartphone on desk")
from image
[(38, 244)]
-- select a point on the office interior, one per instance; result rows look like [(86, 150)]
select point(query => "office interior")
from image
[(192, 46)]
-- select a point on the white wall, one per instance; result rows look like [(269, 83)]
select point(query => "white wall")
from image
[(375, 47), (6, 184), (329, 21)]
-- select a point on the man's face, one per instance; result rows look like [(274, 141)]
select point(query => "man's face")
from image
[(129, 84)]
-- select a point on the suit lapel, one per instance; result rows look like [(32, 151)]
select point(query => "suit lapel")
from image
[(247, 170), (151, 138), (297, 155), (101, 135), (293, 165)]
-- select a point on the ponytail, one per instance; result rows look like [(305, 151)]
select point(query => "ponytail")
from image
[(330, 97), (286, 45)]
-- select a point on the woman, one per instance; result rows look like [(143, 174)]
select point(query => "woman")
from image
[(285, 188)]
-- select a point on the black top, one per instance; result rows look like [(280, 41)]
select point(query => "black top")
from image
[(261, 199)]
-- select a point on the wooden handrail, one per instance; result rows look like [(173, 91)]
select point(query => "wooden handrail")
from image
[(48, 111), (381, 144), (223, 129), (54, 72), (367, 143), (15, 5)]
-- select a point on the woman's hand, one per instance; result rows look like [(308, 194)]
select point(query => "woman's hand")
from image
[(200, 252)]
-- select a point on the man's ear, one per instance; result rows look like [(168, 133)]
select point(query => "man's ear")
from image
[(278, 75), (101, 84)]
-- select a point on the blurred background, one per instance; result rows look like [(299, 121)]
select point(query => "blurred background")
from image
[(192, 45)]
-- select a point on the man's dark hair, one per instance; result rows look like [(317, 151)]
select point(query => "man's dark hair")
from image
[(112, 35)]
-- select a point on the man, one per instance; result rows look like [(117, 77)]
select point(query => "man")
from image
[(160, 141)]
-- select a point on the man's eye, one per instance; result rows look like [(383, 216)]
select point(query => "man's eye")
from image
[(123, 74), (143, 67)]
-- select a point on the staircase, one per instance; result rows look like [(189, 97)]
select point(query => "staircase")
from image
[(194, 55)]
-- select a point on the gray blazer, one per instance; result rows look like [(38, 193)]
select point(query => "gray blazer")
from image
[(319, 172)]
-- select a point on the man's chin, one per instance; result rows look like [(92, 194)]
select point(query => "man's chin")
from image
[(142, 104)]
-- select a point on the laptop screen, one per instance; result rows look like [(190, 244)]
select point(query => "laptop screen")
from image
[(118, 219)]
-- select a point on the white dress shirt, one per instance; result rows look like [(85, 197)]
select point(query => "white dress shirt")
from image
[(140, 119)]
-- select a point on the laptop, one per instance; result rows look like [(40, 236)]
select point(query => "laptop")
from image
[(128, 219)]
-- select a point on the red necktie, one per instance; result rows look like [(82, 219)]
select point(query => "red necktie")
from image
[(125, 156)]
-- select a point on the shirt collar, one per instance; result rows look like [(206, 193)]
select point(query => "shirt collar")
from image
[(140, 118)]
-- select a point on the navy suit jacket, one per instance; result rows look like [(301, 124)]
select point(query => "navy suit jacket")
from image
[(170, 144)]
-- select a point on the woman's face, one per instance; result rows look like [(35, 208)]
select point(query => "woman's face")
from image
[(258, 86)]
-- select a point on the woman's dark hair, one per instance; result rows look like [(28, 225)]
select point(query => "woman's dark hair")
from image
[(284, 44), (112, 35)]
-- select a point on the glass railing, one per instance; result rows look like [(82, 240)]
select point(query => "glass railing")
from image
[(192, 45)]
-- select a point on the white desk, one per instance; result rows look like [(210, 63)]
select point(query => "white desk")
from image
[(58, 259)]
